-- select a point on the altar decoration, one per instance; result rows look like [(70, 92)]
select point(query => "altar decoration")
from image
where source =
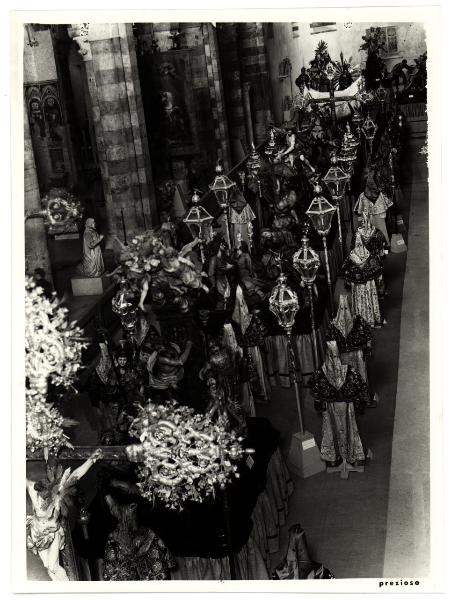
[(169, 274), (183, 455), (45, 425), (61, 212), (53, 348)]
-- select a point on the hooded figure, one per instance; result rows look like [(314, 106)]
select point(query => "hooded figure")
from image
[(360, 270), (375, 203), (336, 387), (92, 263), (352, 335)]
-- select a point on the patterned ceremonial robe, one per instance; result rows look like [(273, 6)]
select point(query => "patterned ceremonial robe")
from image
[(361, 277), (377, 211), (340, 436), (376, 245), (355, 346), (241, 223)]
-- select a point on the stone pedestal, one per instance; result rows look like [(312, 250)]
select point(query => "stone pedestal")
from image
[(87, 286), (304, 458)]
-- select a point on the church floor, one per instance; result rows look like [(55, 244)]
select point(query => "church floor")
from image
[(346, 521)]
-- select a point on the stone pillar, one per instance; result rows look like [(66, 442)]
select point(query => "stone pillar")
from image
[(255, 71), (227, 34), (248, 113), (115, 96), (36, 251), (215, 85)]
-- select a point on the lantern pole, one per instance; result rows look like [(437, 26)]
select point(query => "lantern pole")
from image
[(329, 280), (303, 457), (312, 318), (297, 389)]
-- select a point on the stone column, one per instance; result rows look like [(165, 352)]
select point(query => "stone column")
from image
[(216, 94), (115, 96), (255, 71), (248, 113), (227, 34), (36, 250)]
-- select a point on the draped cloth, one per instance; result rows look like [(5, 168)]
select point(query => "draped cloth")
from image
[(333, 369), (341, 438), (241, 225), (344, 319), (277, 357), (343, 326), (360, 270), (365, 302), (340, 434), (92, 263), (253, 560)]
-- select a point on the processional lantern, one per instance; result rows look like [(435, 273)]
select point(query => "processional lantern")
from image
[(321, 213), (369, 129), (270, 148), (357, 119), (336, 180), (306, 262), (221, 188), (284, 304), (253, 165), (199, 222)]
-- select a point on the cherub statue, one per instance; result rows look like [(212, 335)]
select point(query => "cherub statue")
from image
[(50, 499)]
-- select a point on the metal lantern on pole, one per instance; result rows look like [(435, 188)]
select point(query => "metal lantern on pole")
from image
[(369, 129), (330, 74), (306, 262), (199, 222), (357, 119), (321, 213), (381, 94), (336, 180), (221, 188), (303, 458), (253, 165), (270, 148)]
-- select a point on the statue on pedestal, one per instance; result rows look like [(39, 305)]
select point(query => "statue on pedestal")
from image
[(92, 263)]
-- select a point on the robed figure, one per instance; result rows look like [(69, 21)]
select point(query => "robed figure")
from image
[(92, 263), (336, 388)]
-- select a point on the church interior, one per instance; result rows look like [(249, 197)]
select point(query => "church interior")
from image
[(226, 257)]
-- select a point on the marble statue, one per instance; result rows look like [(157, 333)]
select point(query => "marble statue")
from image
[(92, 263)]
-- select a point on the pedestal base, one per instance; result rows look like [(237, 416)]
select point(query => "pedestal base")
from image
[(304, 458), (345, 468), (87, 286)]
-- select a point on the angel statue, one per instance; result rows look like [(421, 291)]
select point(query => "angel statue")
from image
[(51, 499), (150, 266)]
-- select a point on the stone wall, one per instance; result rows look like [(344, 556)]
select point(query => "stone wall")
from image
[(203, 100)]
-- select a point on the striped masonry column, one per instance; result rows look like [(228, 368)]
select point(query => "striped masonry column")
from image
[(216, 94), (121, 137), (36, 250), (255, 71), (227, 34)]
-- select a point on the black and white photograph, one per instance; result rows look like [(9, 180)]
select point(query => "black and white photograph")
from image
[(225, 270)]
